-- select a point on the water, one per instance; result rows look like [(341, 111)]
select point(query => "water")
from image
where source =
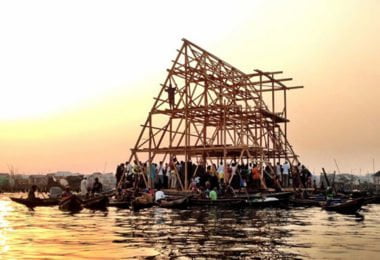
[(312, 233)]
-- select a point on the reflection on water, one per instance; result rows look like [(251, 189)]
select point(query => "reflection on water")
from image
[(196, 232)]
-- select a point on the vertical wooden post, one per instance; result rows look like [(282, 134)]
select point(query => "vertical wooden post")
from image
[(149, 166), (274, 145), (187, 125)]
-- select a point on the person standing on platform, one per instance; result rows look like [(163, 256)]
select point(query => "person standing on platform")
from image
[(221, 172), (285, 174), (119, 173), (279, 170), (160, 173), (213, 195), (127, 169), (153, 167)]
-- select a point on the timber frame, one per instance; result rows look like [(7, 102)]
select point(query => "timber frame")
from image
[(219, 113)]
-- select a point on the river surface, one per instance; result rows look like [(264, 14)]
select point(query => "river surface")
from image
[(311, 233)]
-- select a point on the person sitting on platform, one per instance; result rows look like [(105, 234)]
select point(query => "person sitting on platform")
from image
[(213, 195), (159, 195), (227, 191), (193, 185)]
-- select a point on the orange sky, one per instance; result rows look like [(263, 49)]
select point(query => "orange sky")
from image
[(78, 78)]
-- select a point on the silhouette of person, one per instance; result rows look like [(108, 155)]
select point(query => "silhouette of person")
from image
[(171, 95)]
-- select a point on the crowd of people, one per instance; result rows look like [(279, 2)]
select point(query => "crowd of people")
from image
[(252, 176)]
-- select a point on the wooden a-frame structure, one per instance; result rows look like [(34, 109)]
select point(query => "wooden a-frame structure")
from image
[(209, 110)]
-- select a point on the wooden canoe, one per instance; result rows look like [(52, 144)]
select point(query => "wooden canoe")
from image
[(174, 203), (372, 199), (278, 195), (264, 202), (36, 203), (304, 202), (72, 204), (347, 207), (137, 205), (120, 204), (144, 201), (100, 202), (223, 202)]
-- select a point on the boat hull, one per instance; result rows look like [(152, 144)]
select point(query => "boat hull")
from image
[(71, 204), (305, 203), (36, 202), (119, 204), (96, 203), (348, 207), (233, 202), (174, 204)]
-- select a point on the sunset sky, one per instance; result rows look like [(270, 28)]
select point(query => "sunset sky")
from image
[(77, 78)]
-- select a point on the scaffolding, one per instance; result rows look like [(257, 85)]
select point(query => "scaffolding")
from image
[(209, 110)]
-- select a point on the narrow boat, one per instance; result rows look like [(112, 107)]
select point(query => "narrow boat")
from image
[(264, 202), (304, 202), (144, 201), (71, 203), (36, 202), (372, 199), (223, 202), (177, 203), (347, 207), (279, 195), (100, 202), (137, 205), (283, 195), (120, 204)]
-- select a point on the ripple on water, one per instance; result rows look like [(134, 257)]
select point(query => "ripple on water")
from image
[(183, 234)]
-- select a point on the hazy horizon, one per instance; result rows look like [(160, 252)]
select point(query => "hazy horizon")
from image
[(78, 78)]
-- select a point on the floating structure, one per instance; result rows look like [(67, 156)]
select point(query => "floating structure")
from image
[(209, 111)]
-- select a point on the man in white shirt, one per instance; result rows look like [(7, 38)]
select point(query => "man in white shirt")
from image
[(160, 174), (83, 186), (127, 169), (285, 174), (159, 195), (278, 169)]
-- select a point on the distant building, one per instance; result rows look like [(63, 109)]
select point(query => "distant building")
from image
[(4, 181), (64, 174), (376, 179)]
